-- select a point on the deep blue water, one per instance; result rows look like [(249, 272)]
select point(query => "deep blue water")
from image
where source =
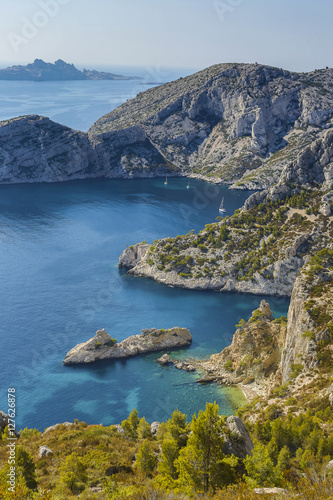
[(59, 283)]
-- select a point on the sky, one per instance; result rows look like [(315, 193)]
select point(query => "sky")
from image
[(176, 33)]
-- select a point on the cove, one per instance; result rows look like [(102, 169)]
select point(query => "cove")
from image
[(59, 250)]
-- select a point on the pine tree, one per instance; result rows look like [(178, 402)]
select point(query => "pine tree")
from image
[(145, 459), (131, 425), (260, 468), (143, 430), (178, 428), (27, 467), (170, 452), (202, 462), (72, 473)]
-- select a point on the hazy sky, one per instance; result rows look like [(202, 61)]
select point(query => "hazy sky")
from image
[(293, 34)]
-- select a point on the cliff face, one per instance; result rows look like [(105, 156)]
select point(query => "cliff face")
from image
[(309, 339), (36, 149), (254, 355), (235, 123)]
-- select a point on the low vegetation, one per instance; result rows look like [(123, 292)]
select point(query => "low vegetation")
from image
[(184, 459)]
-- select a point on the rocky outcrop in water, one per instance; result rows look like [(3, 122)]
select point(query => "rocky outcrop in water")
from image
[(102, 346), (254, 355)]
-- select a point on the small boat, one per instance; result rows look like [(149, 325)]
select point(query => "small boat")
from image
[(221, 209), (188, 186), (166, 181)]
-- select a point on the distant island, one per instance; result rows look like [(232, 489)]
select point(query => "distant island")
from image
[(40, 70)]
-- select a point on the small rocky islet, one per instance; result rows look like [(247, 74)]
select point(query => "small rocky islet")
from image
[(102, 346)]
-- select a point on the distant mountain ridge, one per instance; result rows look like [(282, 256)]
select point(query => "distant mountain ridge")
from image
[(40, 70)]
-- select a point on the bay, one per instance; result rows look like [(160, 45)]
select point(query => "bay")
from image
[(59, 280), (59, 250)]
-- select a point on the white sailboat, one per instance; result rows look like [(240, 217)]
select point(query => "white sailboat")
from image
[(221, 209), (166, 181)]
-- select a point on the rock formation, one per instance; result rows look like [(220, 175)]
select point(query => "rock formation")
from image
[(102, 346), (237, 440), (254, 355), (240, 124)]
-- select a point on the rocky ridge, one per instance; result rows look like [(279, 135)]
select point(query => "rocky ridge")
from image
[(102, 346), (60, 70), (238, 124)]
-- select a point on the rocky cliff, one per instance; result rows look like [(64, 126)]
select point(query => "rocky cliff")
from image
[(102, 346), (259, 249), (36, 149), (284, 356), (239, 124), (254, 356)]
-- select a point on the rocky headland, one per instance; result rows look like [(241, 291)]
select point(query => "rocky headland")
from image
[(238, 124), (262, 247), (41, 71), (102, 346)]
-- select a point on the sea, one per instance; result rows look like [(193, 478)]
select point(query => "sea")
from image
[(60, 282)]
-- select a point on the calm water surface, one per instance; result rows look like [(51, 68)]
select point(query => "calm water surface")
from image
[(59, 250)]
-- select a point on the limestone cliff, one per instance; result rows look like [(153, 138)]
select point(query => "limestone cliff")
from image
[(254, 355), (296, 353), (239, 124), (102, 346), (261, 248), (36, 149)]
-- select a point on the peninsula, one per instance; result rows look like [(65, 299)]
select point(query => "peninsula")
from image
[(102, 346), (40, 70)]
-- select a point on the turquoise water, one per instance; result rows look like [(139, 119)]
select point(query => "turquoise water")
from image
[(59, 250)]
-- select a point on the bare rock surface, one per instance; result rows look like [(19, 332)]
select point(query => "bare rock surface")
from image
[(240, 124), (163, 360), (44, 451), (237, 440), (102, 346)]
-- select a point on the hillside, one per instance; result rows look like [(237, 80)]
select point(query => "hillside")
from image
[(238, 124), (259, 249), (40, 71)]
